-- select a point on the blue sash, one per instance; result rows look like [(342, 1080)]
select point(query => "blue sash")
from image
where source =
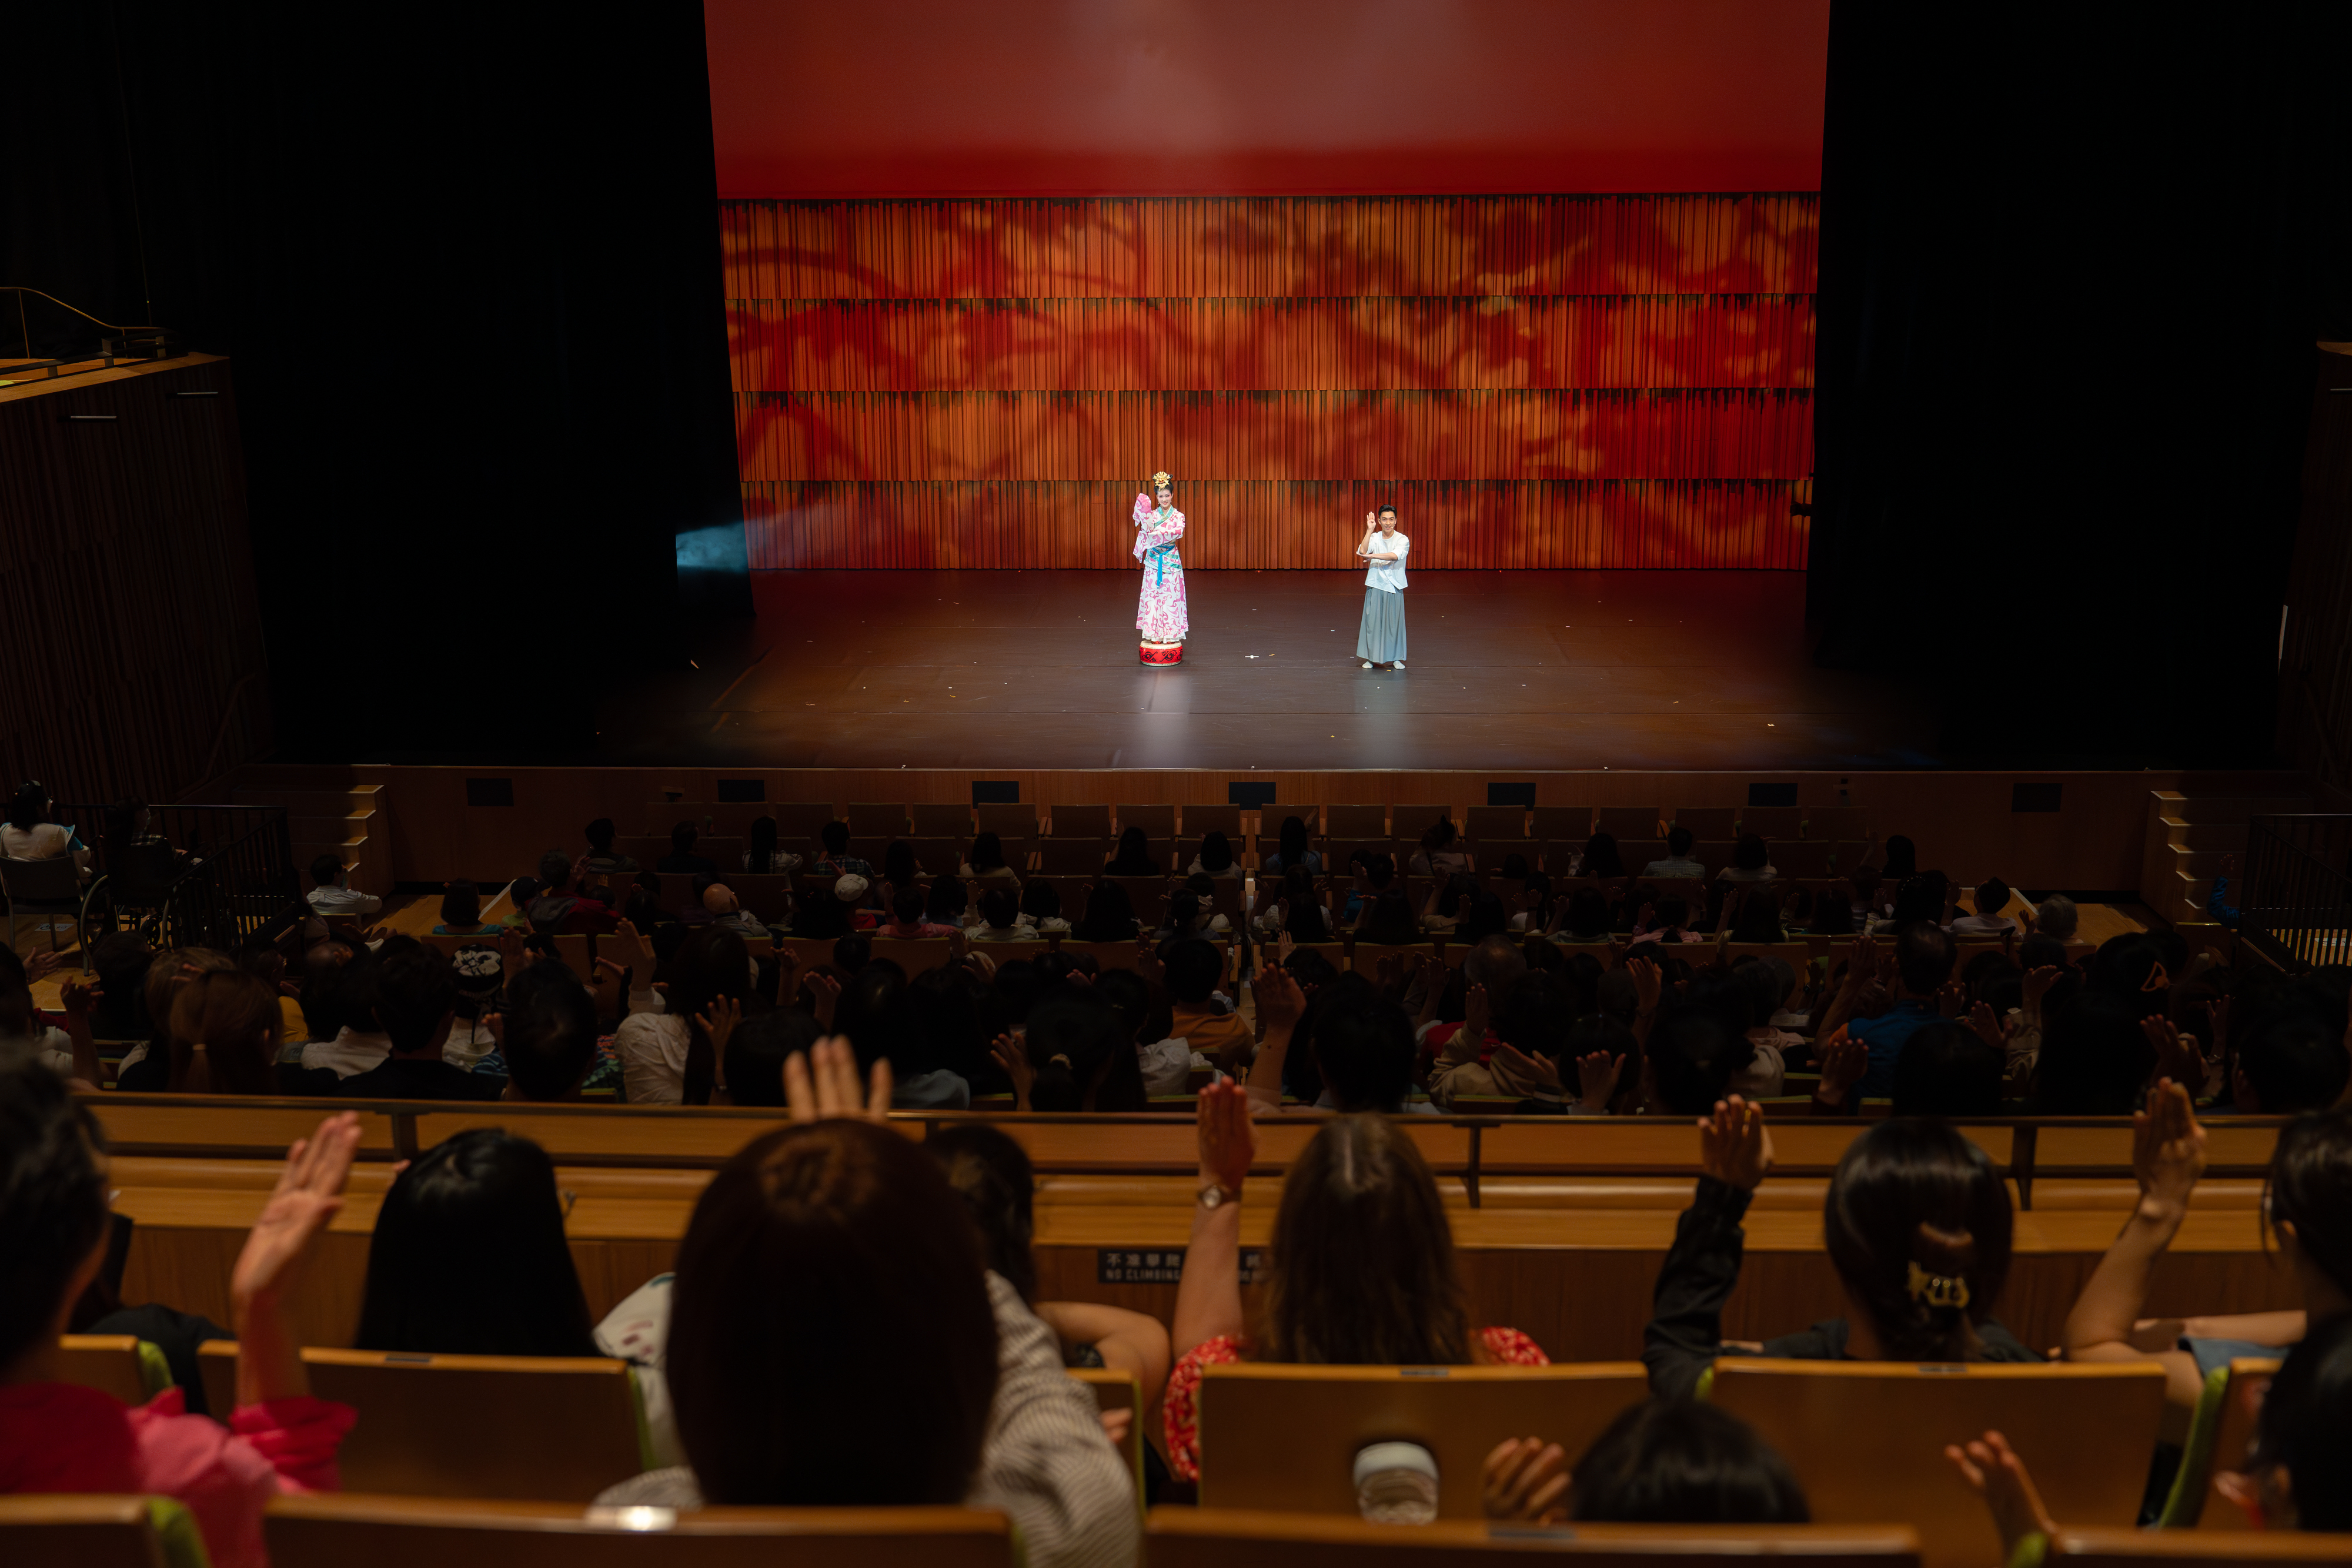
[(1158, 555)]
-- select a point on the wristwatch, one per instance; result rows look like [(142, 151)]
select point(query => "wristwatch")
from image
[(1216, 1195)]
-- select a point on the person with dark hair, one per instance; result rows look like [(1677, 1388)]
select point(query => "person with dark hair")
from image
[(1690, 1059), (999, 917), (331, 889), (1370, 872), (1600, 858), (415, 1004), (1387, 919), (993, 1176), (1132, 856), (1678, 861), (2289, 1065), (59, 1437), (907, 916), (1291, 850), (788, 1395), (1897, 860), (1109, 917), (878, 1016), (1077, 1054), (1291, 905), (1946, 1069), (1380, 635), (1917, 1224), (1991, 896), (461, 910), (821, 919), (226, 1029), (559, 908), (1672, 914), (1924, 899), (682, 861), (758, 1049), (71, 1052), (602, 858), (1359, 1270), (985, 861), (1583, 920), (29, 835), (764, 859), (1751, 860), (1923, 964), (339, 999), (1363, 1047), (669, 1057), (1440, 851), (546, 1043), (2094, 1060), (469, 1258), (1040, 911), (1193, 966), (2307, 1206), (1664, 1461)]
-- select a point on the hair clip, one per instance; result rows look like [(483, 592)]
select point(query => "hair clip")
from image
[(1937, 1289)]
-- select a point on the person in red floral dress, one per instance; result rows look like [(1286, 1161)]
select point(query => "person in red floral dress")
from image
[(1361, 1271)]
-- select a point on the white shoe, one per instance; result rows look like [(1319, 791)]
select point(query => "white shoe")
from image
[(1398, 665), (1368, 664)]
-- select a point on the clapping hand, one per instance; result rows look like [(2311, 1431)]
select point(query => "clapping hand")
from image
[(1476, 1014), (1013, 1057), (1844, 1063), (1526, 1478), (1995, 1032), (824, 992), (309, 1194), (1596, 1080), (80, 997), (1279, 999), (2177, 1056), (1999, 1475), (1951, 998), (1227, 1139), (822, 1083), (2167, 1147)]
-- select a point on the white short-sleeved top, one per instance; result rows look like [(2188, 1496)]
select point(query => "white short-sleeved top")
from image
[(1389, 574)]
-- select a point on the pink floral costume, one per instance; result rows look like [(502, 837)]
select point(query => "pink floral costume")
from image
[(1159, 613)]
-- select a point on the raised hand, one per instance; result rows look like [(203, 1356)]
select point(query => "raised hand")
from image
[(1526, 1478), (1596, 1079), (2177, 1056), (627, 931), (1844, 1063), (822, 1083), (1228, 1141), (1541, 1071), (1951, 998), (1009, 1054), (1476, 1014), (42, 965), (80, 997), (1279, 999), (1733, 1146), (824, 992), (2167, 1147), (309, 1194), (2036, 986), (719, 1023), (1991, 1467), (1647, 986), (1993, 1031)]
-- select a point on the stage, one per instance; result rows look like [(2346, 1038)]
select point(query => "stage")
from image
[(1507, 670)]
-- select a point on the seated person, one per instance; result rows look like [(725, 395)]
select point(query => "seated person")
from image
[(1582, 920), (1215, 859), (1133, 857), (1917, 1226), (682, 861), (1664, 1461), (1041, 908), (999, 918), (330, 892), (726, 912), (986, 861), (1991, 898), (1109, 917), (58, 1437), (1672, 917), (1193, 912), (461, 911), (1293, 850), (763, 858), (1193, 967), (547, 1045), (1359, 1270), (1678, 861), (1440, 853), (1751, 860), (416, 1005), (2055, 917), (1370, 874), (29, 835), (558, 909), (601, 857), (907, 916)]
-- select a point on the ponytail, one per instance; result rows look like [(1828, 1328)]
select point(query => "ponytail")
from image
[(1918, 1225)]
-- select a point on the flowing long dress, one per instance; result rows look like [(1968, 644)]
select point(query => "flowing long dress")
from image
[(1159, 613)]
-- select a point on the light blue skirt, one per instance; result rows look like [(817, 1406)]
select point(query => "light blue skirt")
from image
[(1380, 638)]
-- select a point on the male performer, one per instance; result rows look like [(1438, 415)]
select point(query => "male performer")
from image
[(1381, 639)]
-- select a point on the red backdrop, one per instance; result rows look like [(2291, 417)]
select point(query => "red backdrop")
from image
[(1566, 381), (989, 266)]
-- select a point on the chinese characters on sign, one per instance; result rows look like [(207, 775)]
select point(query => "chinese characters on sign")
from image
[(1158, 1265)]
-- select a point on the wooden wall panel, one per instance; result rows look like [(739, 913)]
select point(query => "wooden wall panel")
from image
[(132, 660), (1554, 380)]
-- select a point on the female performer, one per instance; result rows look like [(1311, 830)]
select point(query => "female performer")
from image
[(1380, 640), (1159, 613)]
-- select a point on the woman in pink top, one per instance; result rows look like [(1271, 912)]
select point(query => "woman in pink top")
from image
[(58, 1437)]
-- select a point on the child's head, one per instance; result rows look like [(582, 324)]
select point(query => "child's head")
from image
[(1588, 915), (1751, 853), (1946, 1069), (1683, 1461), (906, 903), (1194, 966), (461, 904), (53, 1203), (947, 901), (1917, 1225), (2308, 1197), (2292, 1064), (1678, 842), (2302, 1434), (1673, 912), (1000, 909), (2056, 916), (1993, 896), (1217, 853)]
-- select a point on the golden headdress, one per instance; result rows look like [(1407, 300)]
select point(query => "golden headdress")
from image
[(1164, 481)]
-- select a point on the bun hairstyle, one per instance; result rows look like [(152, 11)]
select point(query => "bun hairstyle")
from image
[(993, 1176), (1162, 480), (1918, 1225), (1077, 1041)]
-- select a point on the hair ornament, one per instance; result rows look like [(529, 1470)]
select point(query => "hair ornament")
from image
[(1164, 481), (1936, 1289), (1059, 1059)]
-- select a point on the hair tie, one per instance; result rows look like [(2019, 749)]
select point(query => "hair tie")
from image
[(1937, 1289), (1062, 1059)]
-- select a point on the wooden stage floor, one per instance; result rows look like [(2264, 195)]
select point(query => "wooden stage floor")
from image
[(1525, 671)]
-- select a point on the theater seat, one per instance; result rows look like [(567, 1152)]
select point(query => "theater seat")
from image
[(97, 1531), (1866, 1438), (1240, 1538), (131, 1369), (2219, 1433), (556, 1428), (1116, 1390), (1284, 1437), (2170, 1549), (326, 1530)]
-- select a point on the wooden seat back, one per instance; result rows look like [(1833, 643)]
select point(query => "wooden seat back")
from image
[(1356, 821), (1284, 1437), (1622, 822), (1706, 821), (2086, 1431), (327, 1530), (1772, 821), (1158, 822), (1117, 1390), (1106, 954), (2171, 1549), (871, 819), (96, 1530), (2219, 1433), (1010, 820), (1836, 822), (939, 820), (1560, 822), (114, 1364), (916, 955), (1802, 860), (1067, 854), (1245, 1538), (1202, 821), (1489, 824), (561, 1428), (1080, 822)]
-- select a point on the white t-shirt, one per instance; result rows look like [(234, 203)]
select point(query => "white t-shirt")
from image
[(1387, 575), (652, 1048)]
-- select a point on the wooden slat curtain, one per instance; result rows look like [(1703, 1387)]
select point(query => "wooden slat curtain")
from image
[(1537, 381)]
